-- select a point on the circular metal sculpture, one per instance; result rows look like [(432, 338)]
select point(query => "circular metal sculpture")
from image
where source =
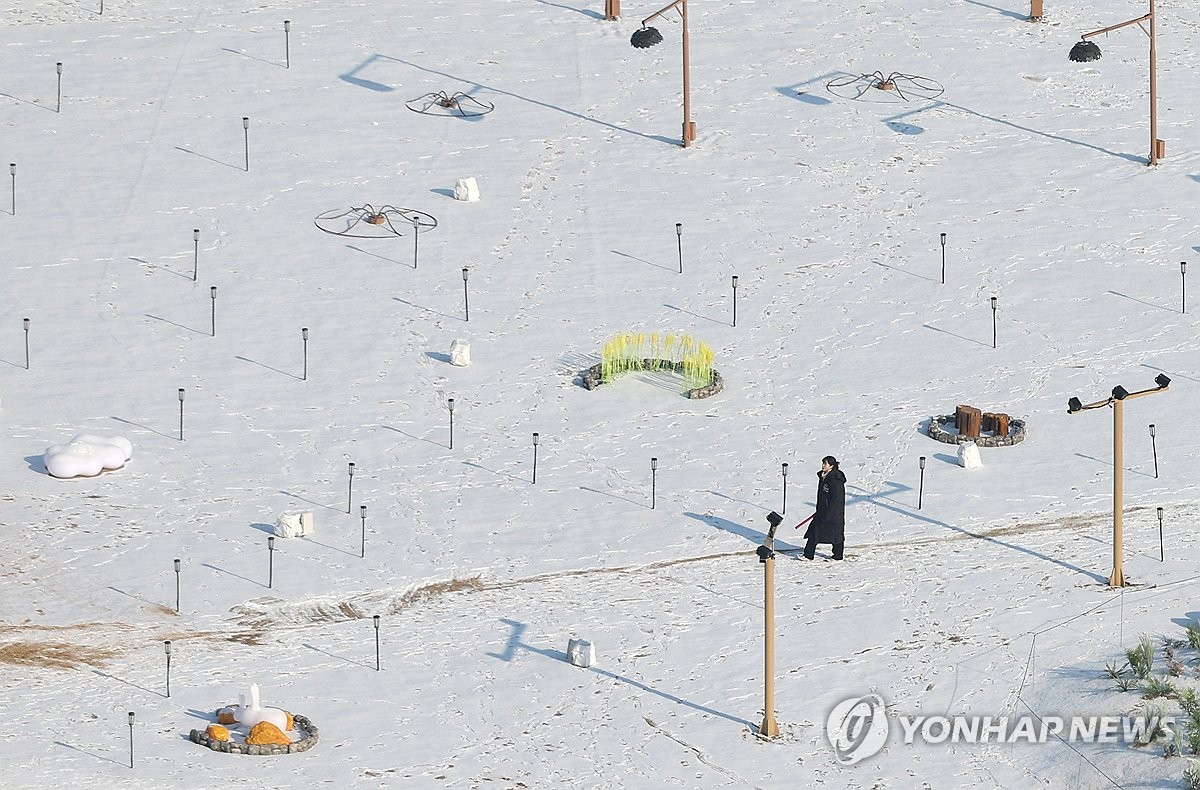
[(903, 86), (458, 105), (368, 222), (645, 37)]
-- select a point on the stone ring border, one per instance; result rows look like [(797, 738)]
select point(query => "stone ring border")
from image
[(592, 377), (938, 432), (301, 723)]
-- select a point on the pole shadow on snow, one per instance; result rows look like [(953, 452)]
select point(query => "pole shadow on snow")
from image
[(252, 57), (756, 537), (905, 271), (585, 12), (35, 103), (960, 337), (339, 658), (158, 266), (410, 436), (1110, 463), (1143, 301), (380, 257), (697, 315), (495, 472), (641, 260), (144, 427), (311, 502), (1170, 373), (428, 309), (614, 496), (129, 683), (268, 367), (209, 158), (231, 573), (172, 323), (881, 500), (371, 85), (66, 745), (514, 644)]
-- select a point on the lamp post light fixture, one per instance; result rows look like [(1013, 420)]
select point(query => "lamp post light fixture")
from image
[(181, 414), (350, 488), (362, 511), (943, 259), (653, 482), (304, 337), (246, 139), (734, 283), (1183, 287), (679, 242), (58, 68), (784, 471), (287, 46), (375, 618), (195, 252), (212, 292), (270, 561), (1085, 51), (466, 303), (130, 739), (167, 647), (12, 171), (647, 37), (177, 564), (1154, 449), (1162, 557), (450, 407), (993, 322), (536, 437), (921, 486), (1117, 402), (766, 555), (25, 325)]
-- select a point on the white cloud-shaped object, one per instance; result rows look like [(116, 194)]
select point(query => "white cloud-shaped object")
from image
[(87, 455)]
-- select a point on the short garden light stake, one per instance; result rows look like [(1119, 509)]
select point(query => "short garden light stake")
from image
[(535, 446), (376, 619), (287, 47), (304, 337), (416, 221), (167, 648), (12, 170), (943, 259), (1183, 287), (177, 564), (1154, 449), (195, 252), (58, 68), (1161, 556), (181, 414), (270, 561), (362, 511), (25, 324), (466, 304), (679, 242), (921, 487), (130, 739), (653, 481), (350, 488), (993, 322), (212, 293), (784, 508), (450, 406), (246, 140), (735, 282)]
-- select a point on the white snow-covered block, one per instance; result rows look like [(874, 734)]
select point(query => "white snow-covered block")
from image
[(460, 353), (968, 456), (87, 455), (295, 525), (466, 189), (581, 652)]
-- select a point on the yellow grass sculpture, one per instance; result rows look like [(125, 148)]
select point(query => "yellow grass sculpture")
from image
[(631, 351)]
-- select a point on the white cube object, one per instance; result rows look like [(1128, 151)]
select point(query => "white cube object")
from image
[(288, 525), (460, 353), (581, 652), (968, 456), (466, 189)]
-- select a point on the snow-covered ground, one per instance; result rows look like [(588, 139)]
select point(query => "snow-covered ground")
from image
[(991, 598)]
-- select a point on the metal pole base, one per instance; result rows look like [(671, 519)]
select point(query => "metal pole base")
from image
[(769, 728)]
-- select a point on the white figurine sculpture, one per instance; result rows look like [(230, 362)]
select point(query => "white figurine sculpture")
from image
[(249, 715), (87, 455)]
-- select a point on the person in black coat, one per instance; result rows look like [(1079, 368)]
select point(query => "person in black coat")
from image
[(829, 522)]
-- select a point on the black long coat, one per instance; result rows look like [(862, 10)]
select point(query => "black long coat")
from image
[(829, 523)]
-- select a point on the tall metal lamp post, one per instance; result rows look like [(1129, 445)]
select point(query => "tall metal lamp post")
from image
[(1117, 401), (766, 555), (1086, 51), (647, 37)]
